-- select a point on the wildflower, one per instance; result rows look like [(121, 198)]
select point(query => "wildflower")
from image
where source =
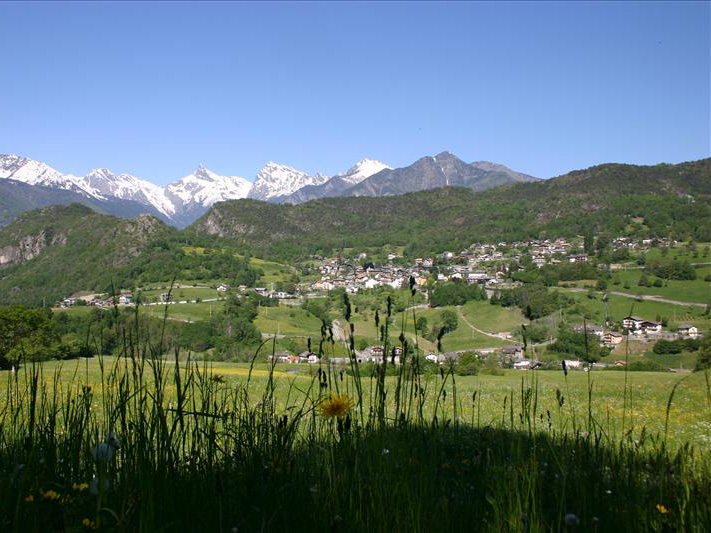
[(113, 440), (81, 487), (662, 509), (30, 498), (336, 405), (571, 520), (103, 452), (385, 451), (88, 524), (49, 495), (94, 486)]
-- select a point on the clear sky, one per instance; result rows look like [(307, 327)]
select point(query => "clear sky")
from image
[(156, 89)]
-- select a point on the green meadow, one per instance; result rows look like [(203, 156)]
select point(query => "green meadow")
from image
[(698, 290), (145, 443)]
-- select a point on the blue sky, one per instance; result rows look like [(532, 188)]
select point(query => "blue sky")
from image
[(156, 89)]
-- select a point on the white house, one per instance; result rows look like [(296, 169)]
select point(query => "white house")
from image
[(688, 330), (223, 287)]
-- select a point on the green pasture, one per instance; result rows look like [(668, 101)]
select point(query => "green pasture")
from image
[(288, 320), (493, 318), (619, 306), (644, 405), (179, 294), (190, 312), (697, 290), (273, 272)]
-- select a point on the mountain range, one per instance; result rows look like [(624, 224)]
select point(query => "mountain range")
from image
[(54, 251), (185, 200)]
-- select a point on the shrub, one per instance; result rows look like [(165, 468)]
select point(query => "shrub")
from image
[(468, 364)]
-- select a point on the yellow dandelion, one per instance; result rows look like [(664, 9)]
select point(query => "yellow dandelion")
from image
[(81, 487), (49, 495), (30, 498), (337, 405), (662, 509)]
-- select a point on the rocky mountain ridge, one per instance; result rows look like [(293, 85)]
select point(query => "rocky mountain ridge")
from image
[(185, 200)]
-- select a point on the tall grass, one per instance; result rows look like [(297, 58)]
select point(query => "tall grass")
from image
[(166, 444)]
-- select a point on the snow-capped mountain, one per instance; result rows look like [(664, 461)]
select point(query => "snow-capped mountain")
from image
[(127, 187), (36, 173), (195, 193), (363, 169), (185, 200), (205, 187), (179, 203), (275, 180), (337, 185)]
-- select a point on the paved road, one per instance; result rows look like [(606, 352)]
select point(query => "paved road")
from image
[(650, 297)]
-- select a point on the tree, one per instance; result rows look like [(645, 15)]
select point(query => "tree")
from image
[(25, 334), (421, 324), (468, 364), (449, 320), (589, 242)]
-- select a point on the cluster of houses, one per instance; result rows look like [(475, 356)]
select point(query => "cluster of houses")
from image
[(508, 355), (640, 328), (98, 300), (484, 264)]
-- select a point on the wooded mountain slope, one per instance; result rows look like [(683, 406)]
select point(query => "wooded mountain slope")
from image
[(660, 200), (51, 252)]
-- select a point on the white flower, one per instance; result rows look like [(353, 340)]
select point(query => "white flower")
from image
[(571, 520), (94, 486), (385, 451), (103, 452), (113, 440)]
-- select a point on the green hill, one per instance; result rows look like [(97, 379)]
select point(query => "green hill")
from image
[(660, 200), (50, 253)]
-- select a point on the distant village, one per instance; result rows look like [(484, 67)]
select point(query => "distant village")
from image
[(487, 265)]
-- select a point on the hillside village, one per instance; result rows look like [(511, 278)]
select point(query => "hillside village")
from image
[(492, 267)]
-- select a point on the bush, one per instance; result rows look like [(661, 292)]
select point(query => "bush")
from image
[(468, 364)]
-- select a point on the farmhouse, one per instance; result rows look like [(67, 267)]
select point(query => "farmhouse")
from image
[(125, 299), (223, 287), (641, 326), (688, 330), (612, 338), (513, 352), (591, 329)]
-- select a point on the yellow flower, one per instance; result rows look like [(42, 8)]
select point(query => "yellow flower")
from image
[(88, 523), (49, 495), (81, 487), (336, 405), (662, 509), (30, 498)]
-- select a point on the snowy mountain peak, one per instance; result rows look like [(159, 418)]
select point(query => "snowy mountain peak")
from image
[(204, 187), (276, 179), (363, 169)]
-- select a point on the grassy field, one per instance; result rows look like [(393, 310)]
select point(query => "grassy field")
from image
[(273, 272), (288, 320), (191, 312), (180, 294), (697, 290), (618, 307), (145, 444), (648, 394)]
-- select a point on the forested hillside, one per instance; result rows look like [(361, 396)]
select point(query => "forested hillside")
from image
[(660, 200), (50, 253)]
